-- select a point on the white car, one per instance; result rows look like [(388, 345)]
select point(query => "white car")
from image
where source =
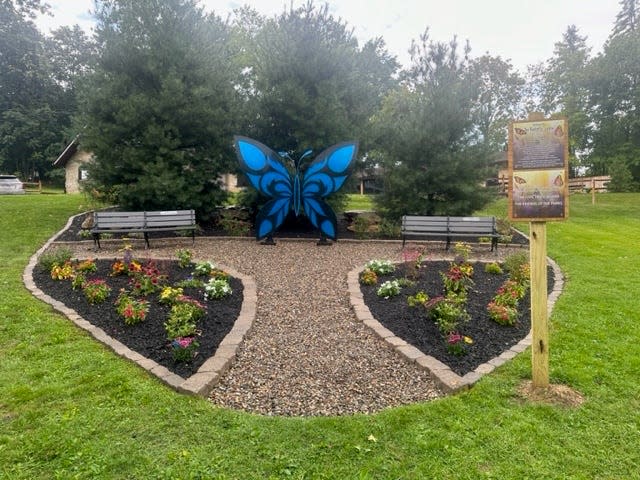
[(9, 184)]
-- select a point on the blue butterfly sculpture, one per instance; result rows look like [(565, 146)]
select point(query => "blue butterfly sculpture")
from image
[(266, 172)]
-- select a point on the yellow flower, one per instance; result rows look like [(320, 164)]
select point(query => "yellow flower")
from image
[(468, 340)]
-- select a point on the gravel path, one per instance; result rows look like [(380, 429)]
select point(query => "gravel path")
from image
[(306, 353)]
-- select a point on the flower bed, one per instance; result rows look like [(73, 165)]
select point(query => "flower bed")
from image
[(446, 314), (137, 300)]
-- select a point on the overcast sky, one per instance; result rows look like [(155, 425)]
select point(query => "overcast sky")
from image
[(520, 30)]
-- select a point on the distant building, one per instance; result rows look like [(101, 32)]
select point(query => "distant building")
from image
[(74, 161)]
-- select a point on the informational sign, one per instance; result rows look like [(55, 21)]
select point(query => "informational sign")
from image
[(538, 166)]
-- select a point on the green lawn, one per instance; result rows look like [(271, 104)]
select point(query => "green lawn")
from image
[(355, 201), (69, 408)]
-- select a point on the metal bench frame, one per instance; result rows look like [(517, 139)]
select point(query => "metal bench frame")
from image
[(142, 222)]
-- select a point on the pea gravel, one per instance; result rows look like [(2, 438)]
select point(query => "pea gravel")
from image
[(307, 354)]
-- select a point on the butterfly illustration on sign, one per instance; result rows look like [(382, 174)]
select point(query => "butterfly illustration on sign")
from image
[(300, 191)]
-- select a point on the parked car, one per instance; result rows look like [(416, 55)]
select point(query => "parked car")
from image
[(9, 184)]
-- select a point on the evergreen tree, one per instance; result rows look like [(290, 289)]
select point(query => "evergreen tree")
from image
[(311, 84), (565, 92), (159, 111), (432, 157), (628, 18), (614, 86)]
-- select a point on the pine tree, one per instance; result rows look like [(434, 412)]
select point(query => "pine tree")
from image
[(159, 112), (628, 18), (431, 155)]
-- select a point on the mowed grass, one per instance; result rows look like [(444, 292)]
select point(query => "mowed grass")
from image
[(69, 408)]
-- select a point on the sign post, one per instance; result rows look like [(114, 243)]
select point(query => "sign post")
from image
[(538, 191)]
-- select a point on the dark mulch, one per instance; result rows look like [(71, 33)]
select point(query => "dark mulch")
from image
[(412, 325), (149, 337)]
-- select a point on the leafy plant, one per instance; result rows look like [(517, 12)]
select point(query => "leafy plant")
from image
[(217, 288), (415, 255), (502, 314), (203, 269), (184, 257), (361, 227), (190, 283), (522, 275), (62, 272), (184, 348), (514, 262), (132, 310), (147, 281), (510, 293), (368, 277), (78, 280), (457, 279), (457, 344), (182, 320), (447, 312), (420, 298), (86, 266), (55, 256), (381, 267), (388, 289), (493, 268), (169, 295), (405, 282), (462, 250), (96, 291)]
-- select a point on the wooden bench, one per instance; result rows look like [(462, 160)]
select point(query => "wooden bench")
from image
[(449, 227), (142, 222)]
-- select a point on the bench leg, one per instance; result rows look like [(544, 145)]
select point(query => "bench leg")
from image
[(96, 241), (146, 240)]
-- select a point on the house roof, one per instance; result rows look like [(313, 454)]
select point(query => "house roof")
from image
[(67, 153)]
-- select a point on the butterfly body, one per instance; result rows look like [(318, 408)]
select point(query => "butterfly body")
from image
[(295, 190)]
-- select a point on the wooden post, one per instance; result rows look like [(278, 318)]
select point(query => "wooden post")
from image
[(539, 327), (593, 190)]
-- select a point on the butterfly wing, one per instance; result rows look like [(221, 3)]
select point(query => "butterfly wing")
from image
[(326, 175), (269, 176)]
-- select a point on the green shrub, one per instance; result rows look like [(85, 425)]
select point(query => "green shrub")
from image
[(389, 229), (493, 268), (56, 256), (514, 262), (447, 312), (361, 227)]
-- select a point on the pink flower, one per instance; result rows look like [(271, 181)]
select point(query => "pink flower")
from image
[(454, 338), (184, 342)]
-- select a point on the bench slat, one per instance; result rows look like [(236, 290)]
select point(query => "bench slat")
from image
[(449, 226), (144, 222)]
